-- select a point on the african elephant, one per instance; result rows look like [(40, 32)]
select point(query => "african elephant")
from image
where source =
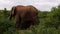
[(26, 14)]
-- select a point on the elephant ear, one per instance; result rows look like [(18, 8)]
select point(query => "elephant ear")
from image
[(12, 11)]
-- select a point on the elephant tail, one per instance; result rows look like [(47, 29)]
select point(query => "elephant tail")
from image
[(12, 13)]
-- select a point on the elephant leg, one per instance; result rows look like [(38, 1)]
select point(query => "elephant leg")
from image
[(29, 23), (35, 21), (26, 25), (18, 21)]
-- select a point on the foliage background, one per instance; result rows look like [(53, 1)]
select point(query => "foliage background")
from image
[(49, 22)]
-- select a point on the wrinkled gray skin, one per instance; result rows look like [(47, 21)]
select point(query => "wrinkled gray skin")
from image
[(26, 14)]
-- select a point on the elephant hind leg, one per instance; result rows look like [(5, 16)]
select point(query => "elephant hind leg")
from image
[(18, 22)]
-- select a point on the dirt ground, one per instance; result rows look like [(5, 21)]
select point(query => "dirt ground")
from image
[(22, 31)]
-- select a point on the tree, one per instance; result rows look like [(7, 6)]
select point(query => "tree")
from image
[(54, 17)]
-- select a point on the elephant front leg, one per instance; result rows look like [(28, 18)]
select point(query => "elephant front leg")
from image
[(35, 21)]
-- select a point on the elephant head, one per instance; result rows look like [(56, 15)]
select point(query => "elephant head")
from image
[(12, 13)]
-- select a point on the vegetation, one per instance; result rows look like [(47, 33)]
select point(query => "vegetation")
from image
[(49, 23)]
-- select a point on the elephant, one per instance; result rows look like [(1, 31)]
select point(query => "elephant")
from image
[(25, 16)]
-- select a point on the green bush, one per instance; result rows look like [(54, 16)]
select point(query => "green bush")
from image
[(49, 23)]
